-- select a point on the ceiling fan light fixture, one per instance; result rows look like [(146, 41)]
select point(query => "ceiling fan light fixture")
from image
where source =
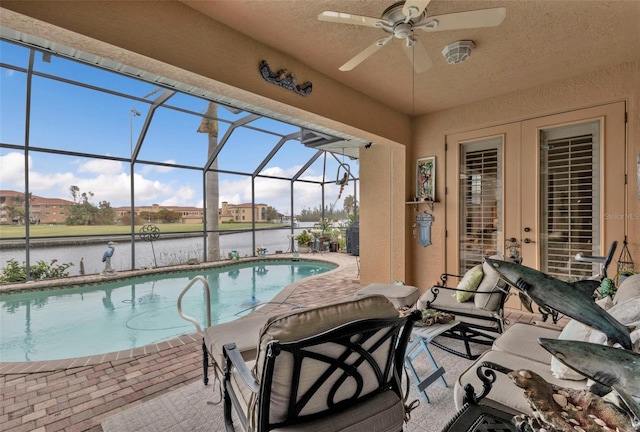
[(458, 51)]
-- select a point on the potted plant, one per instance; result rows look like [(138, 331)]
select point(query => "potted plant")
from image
[(335, 237), (304, 240), (625, 273)]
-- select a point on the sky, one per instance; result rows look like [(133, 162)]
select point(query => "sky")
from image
[(102, 123)]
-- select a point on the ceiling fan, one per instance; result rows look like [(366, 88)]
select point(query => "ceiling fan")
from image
[(402, 18)]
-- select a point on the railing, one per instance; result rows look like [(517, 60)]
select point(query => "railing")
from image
[(208, 295)]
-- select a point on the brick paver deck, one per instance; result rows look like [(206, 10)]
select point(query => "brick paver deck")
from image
[(77, 394)]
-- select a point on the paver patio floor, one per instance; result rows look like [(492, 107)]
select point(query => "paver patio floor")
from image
[(76, 395)]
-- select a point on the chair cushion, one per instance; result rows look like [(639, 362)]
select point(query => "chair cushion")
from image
[(469, 284), (490, 283), (629, 288), (504, 391), (384, 412), (627, 313), (244, 332), (447, 302), (522, 339), (399, 295), (297, 325)]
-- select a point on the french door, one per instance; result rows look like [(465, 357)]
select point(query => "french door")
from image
[(538, 190)]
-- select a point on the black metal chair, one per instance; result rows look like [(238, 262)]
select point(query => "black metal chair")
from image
[(481, 318), (320, 369), (476, 417)]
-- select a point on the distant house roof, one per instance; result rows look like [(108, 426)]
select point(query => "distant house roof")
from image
[(10, 193), (35, 199), (246, 205)]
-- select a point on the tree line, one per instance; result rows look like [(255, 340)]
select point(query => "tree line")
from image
[(84, 212)]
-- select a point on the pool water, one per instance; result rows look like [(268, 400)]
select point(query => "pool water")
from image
[(64, 323)]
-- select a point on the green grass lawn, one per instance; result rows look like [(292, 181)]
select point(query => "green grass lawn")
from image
[(12, 231)]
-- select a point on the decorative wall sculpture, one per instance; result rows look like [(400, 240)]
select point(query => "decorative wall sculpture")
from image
[(424, 221), (426, 179), (285, 78)]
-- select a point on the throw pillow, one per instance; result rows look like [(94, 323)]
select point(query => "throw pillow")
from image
[(575, 330), (626, 313), (489, 284), (469, 284)]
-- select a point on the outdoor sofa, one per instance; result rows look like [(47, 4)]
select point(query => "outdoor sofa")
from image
[(518, 348)]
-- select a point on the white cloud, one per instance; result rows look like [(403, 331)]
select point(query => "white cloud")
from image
[(56, 183), (101, 166), (149, 169), (110, 181), (12, 171), (184, 196)]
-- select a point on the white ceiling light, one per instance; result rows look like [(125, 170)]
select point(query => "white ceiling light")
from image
[(458, 51)]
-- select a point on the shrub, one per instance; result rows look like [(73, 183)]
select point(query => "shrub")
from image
[(15, 272), (304, 238)]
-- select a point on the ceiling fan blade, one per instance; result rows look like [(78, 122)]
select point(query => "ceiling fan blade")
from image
[(345, 18), (418, 55), (364, 54), (469, 19), (414, 8)]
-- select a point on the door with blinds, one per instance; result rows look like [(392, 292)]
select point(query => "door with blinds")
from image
[(482, 172), (540, 190), (570, 199), (480, 200)]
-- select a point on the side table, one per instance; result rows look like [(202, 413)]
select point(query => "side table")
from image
[(423, 337)]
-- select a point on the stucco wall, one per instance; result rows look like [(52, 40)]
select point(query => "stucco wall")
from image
[(382, 228), (618, 83)]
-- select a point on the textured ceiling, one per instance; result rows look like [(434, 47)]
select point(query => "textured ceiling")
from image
[(538, 42)]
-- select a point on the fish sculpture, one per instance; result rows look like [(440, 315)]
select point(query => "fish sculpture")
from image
[(561, 409), (614, 368), (571, 299)]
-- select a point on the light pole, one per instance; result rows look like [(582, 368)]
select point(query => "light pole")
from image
[(132, 112)]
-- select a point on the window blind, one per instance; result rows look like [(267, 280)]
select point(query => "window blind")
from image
[(479, 189), (568, 188)]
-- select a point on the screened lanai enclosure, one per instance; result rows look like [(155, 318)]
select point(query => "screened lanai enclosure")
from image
[(93, 151)]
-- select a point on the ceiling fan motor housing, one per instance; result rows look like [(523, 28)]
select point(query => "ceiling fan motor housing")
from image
[(402, 30), (396, 19)]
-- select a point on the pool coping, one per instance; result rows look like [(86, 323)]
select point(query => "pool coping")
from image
[(53, 365)]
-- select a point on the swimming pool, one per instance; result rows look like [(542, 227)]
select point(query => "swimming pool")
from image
[(74, 322)]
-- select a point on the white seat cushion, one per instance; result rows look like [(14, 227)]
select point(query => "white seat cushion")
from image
[(244, 332), (447, 301), (504, 391), (383, 412), (522, 339), (399, 295)]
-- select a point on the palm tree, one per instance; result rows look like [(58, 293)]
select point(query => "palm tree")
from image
[(209, 126), (348, 203)]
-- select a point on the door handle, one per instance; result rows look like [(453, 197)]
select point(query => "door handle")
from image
[(528, 240)]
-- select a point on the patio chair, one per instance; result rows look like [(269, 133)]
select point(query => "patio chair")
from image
[(481, 316), (327, 368)]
